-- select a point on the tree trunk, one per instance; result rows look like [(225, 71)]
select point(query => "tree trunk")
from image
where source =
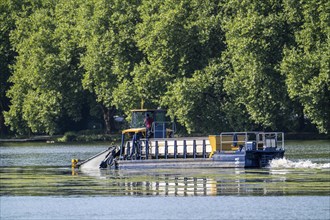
[(3, 128), (2, 124), (301, 119), (109, 121)]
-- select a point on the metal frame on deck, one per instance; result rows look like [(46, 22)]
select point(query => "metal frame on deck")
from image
[(264, 139), (138, 149)]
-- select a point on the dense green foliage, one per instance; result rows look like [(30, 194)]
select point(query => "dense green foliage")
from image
[(216, 65), (306, 65)]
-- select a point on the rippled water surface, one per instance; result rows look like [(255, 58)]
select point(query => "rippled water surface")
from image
[(36, 174)]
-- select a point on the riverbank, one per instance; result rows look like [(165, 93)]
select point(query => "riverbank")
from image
[(45, 138), (90, 137), (66, 138), (306, 136)]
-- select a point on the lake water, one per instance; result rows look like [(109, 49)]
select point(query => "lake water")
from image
[(37, 182)]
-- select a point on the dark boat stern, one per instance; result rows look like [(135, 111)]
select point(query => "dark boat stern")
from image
[(253, 149)]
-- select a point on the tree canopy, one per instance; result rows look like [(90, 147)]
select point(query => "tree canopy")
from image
[(216, 65)]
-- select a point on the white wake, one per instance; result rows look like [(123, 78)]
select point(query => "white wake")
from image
[(285, 163)]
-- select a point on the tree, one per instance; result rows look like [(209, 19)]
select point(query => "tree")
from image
[(180, 40), (7, 10), (198, 102), (306, 65), (110, 50), (215, 65), (256, 32), (46, 79)]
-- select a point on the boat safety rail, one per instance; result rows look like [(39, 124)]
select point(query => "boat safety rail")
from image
[(232, 141), (180, 148), (168, 148)]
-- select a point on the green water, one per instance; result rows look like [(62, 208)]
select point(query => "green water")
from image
[(44, 170), (37, 182)]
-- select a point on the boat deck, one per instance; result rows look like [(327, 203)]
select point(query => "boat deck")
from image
[(178, 163)]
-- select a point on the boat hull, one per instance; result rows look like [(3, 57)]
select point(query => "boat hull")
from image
[(252, 159)]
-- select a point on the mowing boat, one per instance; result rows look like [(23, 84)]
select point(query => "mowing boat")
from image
[(150, 143)]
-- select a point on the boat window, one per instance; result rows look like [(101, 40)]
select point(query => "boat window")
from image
[(138, 119), (160, 116), (139, 116)]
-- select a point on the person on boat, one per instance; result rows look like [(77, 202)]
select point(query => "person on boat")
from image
[(148, 123)]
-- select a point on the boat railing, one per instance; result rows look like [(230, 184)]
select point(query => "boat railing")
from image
[(200, 147), (232, 141), (169, 148), (271, 139)]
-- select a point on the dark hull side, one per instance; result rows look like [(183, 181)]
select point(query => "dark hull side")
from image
[(253, 158)]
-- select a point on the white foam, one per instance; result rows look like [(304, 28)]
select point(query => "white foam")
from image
[(285, 163)]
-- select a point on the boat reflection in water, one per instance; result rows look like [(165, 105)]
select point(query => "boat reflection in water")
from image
[(129, 182), (190, 182)]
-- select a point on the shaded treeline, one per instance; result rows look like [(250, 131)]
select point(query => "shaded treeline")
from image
[(216, 65)]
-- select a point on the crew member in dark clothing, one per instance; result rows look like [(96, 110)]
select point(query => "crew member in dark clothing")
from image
[(148, 123)]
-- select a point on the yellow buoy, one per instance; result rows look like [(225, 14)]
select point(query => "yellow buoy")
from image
[(74, 163)]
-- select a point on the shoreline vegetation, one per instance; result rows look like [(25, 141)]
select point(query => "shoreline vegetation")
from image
[(88, 136), (71, 65), (68, 137)]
